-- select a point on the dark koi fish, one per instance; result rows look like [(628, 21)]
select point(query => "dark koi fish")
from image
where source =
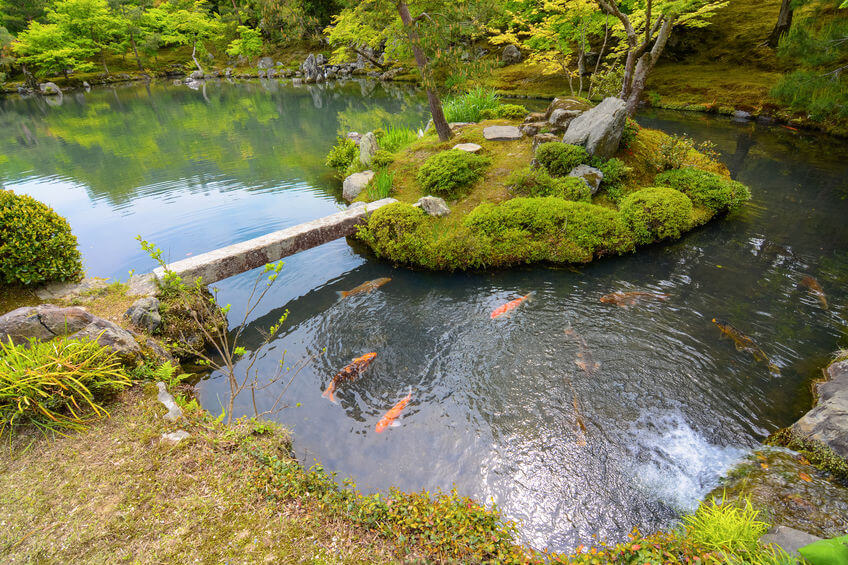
[(744, 343), (350, 372), (511, 305), (389, 419), (365, 287), (816, 289), (626, 299), (584, 358)]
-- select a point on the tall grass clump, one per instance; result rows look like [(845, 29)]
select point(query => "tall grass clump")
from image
[(56, 385), (381, 185), (397, 137), (469, 107)]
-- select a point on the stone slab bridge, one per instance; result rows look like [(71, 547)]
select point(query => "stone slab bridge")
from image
[(225, 262)]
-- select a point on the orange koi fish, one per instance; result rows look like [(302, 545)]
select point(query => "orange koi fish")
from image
[(815, 288), (626, 299), (789, 128), (579, 418), (511, 305), (389, 419), (350, 372), (365, 287), (744, 343)]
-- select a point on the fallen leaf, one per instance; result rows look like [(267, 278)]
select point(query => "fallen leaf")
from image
[(803, 461), (764, 465), (805, 477)]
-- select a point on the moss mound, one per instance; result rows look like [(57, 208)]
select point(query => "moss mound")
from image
[(537, 182), (559, 158), (656, 213), (448, 173), (710, 190)]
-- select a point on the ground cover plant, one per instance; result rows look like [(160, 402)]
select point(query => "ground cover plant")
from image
[(448, 173), (559, 158)]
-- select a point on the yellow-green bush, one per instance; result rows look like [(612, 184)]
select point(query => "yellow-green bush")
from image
[(449, 173), (505, 111), (656, 213), (342, 154), (706, 189), (537, 182), (559, 158), (36, 243)]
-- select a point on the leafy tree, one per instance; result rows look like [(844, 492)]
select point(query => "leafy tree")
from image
[(6, 58), (136, 25), (15, 15), (51, 50), (645, 26), (192, 25), (431, 36), (248, 44), (88, 22)]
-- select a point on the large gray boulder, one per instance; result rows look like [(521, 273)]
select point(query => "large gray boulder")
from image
[(788, 539), (511, 55), (433, 206), (590, 175), (560, 118), (49, 88), (356, 183), (569, 103), (827, 422), (599, 129), (311, 72), (502, 133), (368, 147), (46, 321), (144, 313), (265, 63)]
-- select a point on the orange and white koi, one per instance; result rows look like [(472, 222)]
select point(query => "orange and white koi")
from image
[(350, 372), (815, 288), (365, 287), (388, 420), (625, 299), (511, 305)]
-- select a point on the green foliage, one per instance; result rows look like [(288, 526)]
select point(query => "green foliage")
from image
[(56, 385), (672, 152), (731, 530), (656, 213), (382, 159), (36, 244), (397, 137), (826, 551), (631, 130), (381, 185), (248, 44), (166, 373), (559, 158), (392, 231), (615, 175), (822, 97), (15, 15), (819, 454), (537, 182), (504, 111), (469, 107), (706, 189), (50, 50), (342, 154), (448, 173)]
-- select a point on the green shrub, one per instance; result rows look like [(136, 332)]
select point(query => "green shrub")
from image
[(656, 213), (468, 107), (726, 528), (822, 97), (504, 111), (381, 159), (342, 155), (392, 232), (706, 189), (631, 130), (381, 185), (551, 229), (36, 243), (448, 173), (537, 182), (396, 138), (56, 385), (559, 158)]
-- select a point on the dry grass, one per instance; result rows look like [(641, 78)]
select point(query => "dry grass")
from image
[(119, 493)]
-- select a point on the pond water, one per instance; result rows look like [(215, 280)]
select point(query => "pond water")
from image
[(670, 405)]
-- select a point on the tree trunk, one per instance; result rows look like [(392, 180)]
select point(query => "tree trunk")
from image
[(103, 58), (784, 22), (30, 80), (442, 127), (646, 64), (193, 58), (236, 10), (135, 52)]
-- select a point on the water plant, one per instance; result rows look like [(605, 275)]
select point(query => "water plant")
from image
[(36, 243), (381, 185), (468, 107), (448, 173), (559, 158), (656, 213), (56, 385)]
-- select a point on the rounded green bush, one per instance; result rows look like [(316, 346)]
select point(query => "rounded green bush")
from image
[(537, 182), (448, 173), (505, 111), (36, 243), (392, 232), (342, 154), (382, 159), (656, 213), (559, 158), (705, 188)]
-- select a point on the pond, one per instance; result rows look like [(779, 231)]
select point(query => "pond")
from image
[(669, 406)]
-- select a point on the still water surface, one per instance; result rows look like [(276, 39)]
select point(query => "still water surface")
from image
[(670, 405)]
